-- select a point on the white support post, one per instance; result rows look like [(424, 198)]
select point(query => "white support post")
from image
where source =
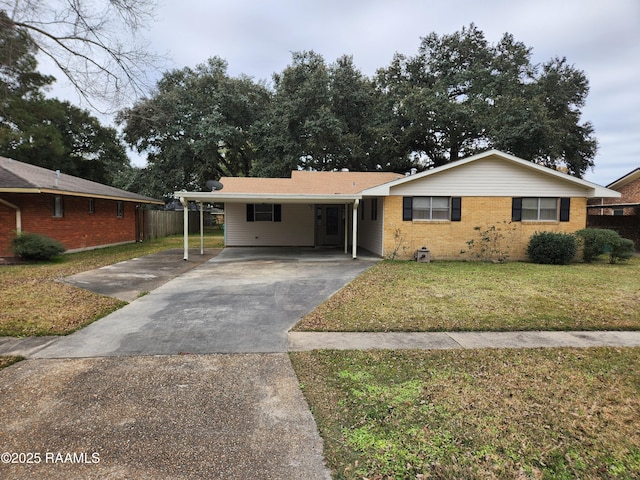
[(346, 228), (185, 207), (354, 247), (201, 229)]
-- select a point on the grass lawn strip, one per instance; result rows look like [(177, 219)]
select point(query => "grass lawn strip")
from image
[(461, 296), (543, 413)]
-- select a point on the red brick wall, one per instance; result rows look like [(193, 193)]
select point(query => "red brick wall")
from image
[(76, 229), (630, 194)]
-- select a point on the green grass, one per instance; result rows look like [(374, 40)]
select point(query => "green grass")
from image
[(458, 296), (35, 303), (548, 413)]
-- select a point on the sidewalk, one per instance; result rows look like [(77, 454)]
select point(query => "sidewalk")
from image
[(302, 341)]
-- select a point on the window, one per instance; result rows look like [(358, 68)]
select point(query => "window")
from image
[(540, 209), (432, 208), (264, 212), (618, 211), (374, 209), (92, 205), (58, 206), (119, 209)]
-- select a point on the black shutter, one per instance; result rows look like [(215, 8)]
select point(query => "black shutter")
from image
[(516, 209), (565, 208), (249, 212), (277, 212), (456, 209), (407, 209)]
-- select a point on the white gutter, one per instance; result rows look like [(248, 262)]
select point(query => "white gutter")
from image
[(217, 196), (18, 214)]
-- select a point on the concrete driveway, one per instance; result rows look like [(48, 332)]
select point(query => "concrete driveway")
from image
[(242, 301), (124, 397)]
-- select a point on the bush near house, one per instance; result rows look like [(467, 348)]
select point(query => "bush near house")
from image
[(599, 241), (553, 248), (33, 246)]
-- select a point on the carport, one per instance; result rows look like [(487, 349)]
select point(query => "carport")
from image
[(351, 201)]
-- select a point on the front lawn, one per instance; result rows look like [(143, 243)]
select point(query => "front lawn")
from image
[(457, 296), (34, 302), (478, 414)]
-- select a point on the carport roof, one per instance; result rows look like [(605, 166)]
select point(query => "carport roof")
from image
[(302, 186)]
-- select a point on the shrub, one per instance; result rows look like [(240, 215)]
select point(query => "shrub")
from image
[(552, 248), (623, 250), (600, 241), (33, 246)]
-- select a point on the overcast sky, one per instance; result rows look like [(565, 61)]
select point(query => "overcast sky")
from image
[(256, 38)]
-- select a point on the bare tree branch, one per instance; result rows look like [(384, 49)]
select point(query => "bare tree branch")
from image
[(96, 45)]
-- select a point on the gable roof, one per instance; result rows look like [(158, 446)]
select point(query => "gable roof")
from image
[(591, 190), (20, 177), (628, 178), (302, 186), (304, 182)]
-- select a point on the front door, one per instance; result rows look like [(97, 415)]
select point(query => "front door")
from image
[(329, 225)]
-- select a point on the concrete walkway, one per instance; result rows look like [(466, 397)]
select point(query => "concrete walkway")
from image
[(304, 341), (301, 341)]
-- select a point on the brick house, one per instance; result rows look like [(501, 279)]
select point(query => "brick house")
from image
[(79, 213), (390, 214), (629, 188)]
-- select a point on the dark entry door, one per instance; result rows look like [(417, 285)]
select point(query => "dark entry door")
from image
[(329, 225)]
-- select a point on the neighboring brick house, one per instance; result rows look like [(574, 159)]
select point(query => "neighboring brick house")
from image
[(79, 213), (395, 215), (627, 204)]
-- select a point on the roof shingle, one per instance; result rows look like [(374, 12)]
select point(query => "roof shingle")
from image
[(304, 182), (16, 175)]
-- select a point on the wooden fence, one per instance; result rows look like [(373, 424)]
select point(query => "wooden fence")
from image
[(161, 223), (628, 226)]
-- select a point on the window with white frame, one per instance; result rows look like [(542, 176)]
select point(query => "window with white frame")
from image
[(431, 208), (539, 209)]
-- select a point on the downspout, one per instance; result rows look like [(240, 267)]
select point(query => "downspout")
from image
[(354, 246), (18, 214), (185, 210)]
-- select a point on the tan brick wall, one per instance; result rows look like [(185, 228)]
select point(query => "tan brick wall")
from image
[(446, 239)]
